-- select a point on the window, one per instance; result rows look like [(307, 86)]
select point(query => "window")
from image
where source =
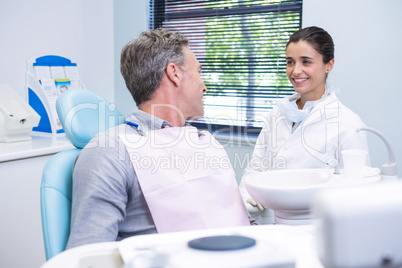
[(241, 46)]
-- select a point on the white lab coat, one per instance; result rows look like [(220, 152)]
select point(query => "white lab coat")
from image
[(311, 144)]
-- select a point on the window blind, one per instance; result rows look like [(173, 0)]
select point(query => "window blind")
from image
[(241, 46)]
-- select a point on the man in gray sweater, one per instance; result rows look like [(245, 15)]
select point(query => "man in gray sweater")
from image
[(155, 173)]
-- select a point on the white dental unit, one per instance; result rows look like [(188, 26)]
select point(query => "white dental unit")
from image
[(360, 226)]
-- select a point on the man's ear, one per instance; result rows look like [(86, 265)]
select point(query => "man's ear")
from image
[(173, 73)]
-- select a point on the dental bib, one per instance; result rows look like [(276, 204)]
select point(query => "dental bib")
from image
[(187, 179)]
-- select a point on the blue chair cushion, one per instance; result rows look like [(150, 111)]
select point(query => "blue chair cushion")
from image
[(83, 114), (56, 201)]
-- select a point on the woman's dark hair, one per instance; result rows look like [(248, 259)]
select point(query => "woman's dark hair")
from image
[(318, 38)]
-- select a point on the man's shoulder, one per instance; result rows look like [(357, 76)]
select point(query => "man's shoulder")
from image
[(106, 156), (106, 146)]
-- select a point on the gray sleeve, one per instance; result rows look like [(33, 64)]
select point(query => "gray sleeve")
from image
[(101, 184)]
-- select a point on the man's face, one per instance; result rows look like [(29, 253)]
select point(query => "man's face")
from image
[(192, 88)]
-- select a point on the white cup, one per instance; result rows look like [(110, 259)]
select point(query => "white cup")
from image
[(354, 163)]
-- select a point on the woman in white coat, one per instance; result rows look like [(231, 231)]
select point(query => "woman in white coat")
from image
[(311, 127)]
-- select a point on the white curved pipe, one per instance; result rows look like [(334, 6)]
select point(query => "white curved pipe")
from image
[(391, 154), (389, 170)]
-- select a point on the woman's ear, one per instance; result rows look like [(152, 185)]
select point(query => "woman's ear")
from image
[(330, 65), (173, 73)]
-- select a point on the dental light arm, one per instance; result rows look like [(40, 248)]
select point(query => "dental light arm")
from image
[(388, 170)]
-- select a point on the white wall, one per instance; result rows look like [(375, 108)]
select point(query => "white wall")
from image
[(130, 19), (81, 30), (368, 39)]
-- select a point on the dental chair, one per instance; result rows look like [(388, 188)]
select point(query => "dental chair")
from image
[(82, 114)]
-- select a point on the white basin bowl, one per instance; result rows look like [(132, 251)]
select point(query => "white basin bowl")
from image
[(290, 192)]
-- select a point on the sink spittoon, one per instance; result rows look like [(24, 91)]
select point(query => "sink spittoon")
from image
[(290, 192)]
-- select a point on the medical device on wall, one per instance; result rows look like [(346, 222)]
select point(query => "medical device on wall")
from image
[(17, 118), (360, 226), (46, 78)]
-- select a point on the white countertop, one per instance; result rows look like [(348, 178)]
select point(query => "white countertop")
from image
[(38, 146)]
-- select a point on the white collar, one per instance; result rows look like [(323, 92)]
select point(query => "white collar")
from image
[(328, 92)]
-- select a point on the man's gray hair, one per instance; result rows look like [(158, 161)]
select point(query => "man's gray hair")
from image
[(144, 61)]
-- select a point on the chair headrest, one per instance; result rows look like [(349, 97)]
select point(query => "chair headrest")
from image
[(83, 114)]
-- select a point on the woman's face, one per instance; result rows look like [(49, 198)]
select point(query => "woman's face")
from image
[(306, 70)]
